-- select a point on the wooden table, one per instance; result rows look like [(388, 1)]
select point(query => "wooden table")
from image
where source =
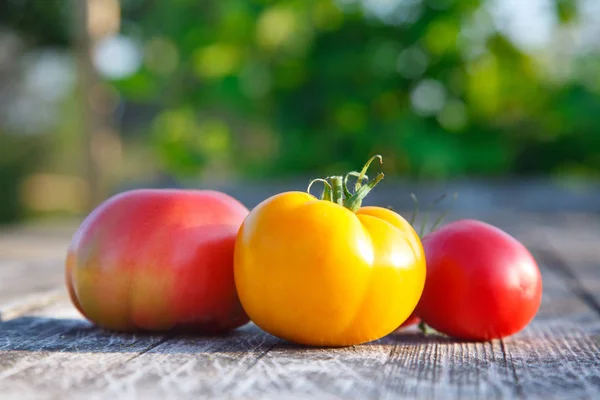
[(48, 351)]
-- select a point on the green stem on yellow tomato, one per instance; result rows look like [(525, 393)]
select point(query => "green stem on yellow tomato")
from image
[(326, 192), (336, 187), (348, 175), (364, 171), (354, 202)]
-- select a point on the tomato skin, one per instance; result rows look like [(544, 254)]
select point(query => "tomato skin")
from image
[(315, 273), (410, 321), (158, 260), (481, 282)]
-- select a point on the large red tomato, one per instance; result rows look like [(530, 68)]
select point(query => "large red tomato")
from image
[(158, 260), (481, 282)]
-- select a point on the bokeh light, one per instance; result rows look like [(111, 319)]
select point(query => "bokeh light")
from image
[(183, 92)]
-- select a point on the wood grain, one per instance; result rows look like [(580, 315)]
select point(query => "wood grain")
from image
[(48, 351), (31, 264)]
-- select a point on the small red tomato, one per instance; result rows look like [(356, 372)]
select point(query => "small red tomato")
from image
[(158, 260), (412, 320), (481, 282)]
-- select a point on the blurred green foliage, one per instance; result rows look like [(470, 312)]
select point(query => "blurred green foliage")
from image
[(290, 86), (42, 23), (268, 88)]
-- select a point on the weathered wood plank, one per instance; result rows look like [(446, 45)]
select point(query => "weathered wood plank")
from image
[(438, 367), (557, 355), (31, 263), (47, 350), (20, 279), (568, 243)]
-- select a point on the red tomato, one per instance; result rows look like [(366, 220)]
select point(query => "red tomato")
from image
[(481, 282), (412, 320), (158, 260)]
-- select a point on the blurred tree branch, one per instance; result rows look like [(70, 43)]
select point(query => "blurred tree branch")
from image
[(91, 121)]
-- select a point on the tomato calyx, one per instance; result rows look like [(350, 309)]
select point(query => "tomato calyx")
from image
[(423, 230), (424, 328), (336, 187)]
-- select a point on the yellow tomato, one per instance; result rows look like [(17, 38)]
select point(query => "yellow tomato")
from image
[(314, 272)]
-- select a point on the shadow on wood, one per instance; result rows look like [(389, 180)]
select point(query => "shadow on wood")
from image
[(39, 334)]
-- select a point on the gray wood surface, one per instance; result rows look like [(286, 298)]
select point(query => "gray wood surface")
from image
[(48, 351)]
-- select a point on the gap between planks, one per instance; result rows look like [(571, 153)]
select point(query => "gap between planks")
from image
[(423, 368)]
